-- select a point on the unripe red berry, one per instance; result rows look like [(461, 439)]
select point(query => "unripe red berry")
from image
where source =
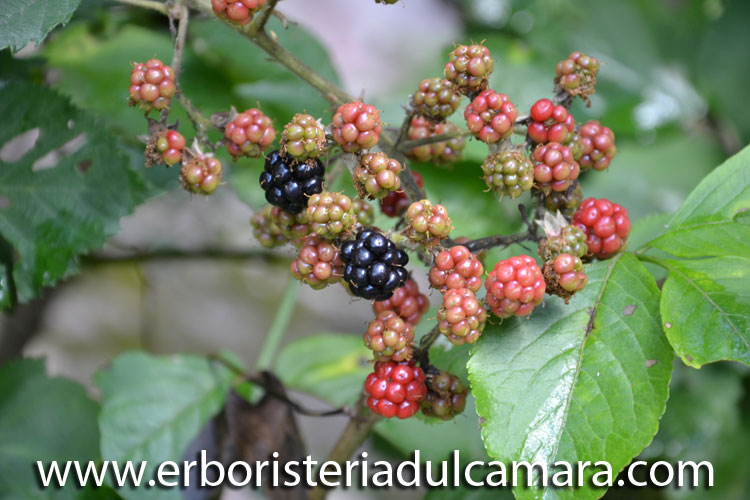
[(456, 268), (407, 302), (554, 167), (201, 174), (566, 202), (438, 152), (550, 122), (564, 275), (395, 389), (356, 126), (239, 12), (376, 175), (490, 116), (151, 85), (514, 287), (390, 337), (462, 317), (576, 75), (427, 223), (606, 225), (249, 134), (469, 68), (318, 263), (597, 146)]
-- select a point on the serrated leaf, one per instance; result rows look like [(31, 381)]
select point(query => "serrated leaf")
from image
[(586, 381), (705, 308), (153, 407), (707, 223), (45, 419), (24, 21), (53, 208)]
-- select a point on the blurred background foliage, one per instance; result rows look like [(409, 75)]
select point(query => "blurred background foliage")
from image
[(672, 87)]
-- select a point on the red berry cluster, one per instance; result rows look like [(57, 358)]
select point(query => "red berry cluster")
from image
[(376, 175), (606, 225), (490, 116), (438, 152), (249, 134), (514, 287), (549, 122), (576, 75), (318, 263), (554, 167), (395, 389), (407, 301), (238, 12), (462, 317), (469, 68), (201, 174), (597, 146), (427, 223), (436, 98), (396, 203), (564, 275), (152, 85), (356, 126), (390, 337), (456, 268)]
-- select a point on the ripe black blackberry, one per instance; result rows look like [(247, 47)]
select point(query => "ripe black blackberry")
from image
[(288, 183), (374, 266)]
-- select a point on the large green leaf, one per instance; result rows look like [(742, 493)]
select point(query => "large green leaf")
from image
[(24, 21), (705, 308), (56, 203), (710, 222), (43, 419), (153, 407), (586, 381)]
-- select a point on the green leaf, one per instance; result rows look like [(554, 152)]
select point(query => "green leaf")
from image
[(24, 21), (707, 223), (329, 366), (586, 381), (153, 407), (57, 203), (705, 308), (45, 419)]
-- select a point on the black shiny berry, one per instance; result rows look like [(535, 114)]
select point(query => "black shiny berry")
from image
[(374, 266), (288, 183)]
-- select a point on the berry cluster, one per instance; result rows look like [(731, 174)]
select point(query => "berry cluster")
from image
[(330, 215), (456, 268), (374, 266), (596, 146), (508, 173), (570, 239), (363, 212), (238, 12), (303, 138), (606, 225), (273, 227), (356, 126), (249, 134), (201, 174), (395, 389), (514, 287), (565, 202), (549, 122), (165, 147), (318, 263), (396, 203), (376, 175), (554, 167), (390, 337), (152, 85), (564, 275), (446, 396), (469, 68), (436, 98), (427, 223), (490, 116), (576, 75), (288, 183), (407, 301), (437, 152), (462, 316)]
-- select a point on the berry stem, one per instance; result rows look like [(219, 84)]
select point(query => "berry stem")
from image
[(498, 240), (421, 353), (265, 14), (182, 15), (279, 324), (148, 4)]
